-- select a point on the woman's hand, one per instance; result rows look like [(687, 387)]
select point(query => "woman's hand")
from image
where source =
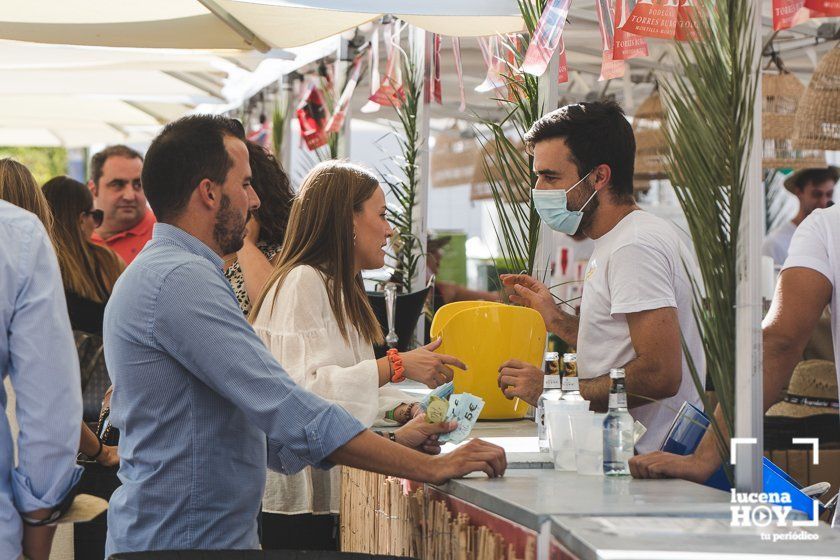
[(422, 436), (428, 368)]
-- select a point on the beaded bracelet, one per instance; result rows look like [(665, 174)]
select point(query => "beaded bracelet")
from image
[(396, 361)]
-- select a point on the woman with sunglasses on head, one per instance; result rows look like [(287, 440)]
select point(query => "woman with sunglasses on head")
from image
[(88, 272), (315, 318)]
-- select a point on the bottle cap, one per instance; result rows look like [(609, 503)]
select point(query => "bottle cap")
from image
[(617, 373)]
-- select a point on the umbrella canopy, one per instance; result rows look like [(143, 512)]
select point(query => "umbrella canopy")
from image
[(232, 24)]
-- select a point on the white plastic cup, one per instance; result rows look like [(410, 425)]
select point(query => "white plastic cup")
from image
[(587, 436), (560, 432)]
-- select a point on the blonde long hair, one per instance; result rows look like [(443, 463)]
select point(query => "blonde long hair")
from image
[(320, 234), (87, 270), (19, 187)]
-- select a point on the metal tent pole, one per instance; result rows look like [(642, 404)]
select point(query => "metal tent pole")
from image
[(420, 42), (749, 402), (548, 97)]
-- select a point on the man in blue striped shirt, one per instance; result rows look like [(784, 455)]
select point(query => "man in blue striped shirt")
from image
[(195, 391), (38, 354)]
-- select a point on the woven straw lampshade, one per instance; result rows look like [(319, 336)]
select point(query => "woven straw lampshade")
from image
[(781, 93), (452, 159), (817, 122), (651, 149)]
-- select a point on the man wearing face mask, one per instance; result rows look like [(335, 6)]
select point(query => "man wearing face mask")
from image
[(637, 296)]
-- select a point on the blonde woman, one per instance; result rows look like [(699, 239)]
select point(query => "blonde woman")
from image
[(315, 318)]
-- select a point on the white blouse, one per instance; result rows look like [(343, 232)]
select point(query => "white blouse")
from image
[(301, 331)]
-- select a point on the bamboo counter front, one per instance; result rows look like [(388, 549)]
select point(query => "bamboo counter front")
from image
[(534, 512)]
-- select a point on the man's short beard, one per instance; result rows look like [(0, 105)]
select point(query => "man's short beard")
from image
[(229, 228), (591, 208)]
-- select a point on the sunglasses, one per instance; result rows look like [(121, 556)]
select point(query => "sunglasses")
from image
[(97, 215)]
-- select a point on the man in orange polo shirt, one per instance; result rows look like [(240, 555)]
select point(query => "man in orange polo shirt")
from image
[(117, 191)]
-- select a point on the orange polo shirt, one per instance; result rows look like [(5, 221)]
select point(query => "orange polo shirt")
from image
[(127, 244)]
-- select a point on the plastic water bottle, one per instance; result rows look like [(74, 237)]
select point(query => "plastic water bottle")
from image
[(618, 429), (551, 392)]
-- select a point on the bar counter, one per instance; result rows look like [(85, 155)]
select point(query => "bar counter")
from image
[(535, 512)]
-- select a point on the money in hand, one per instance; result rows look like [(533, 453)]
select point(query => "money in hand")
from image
[(437, 410), (464, 408)]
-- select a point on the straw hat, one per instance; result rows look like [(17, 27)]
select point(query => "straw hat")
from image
[(817, 123), (794, 178), (812, 391)]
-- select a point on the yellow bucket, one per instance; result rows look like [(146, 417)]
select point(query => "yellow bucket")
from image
[(484, 336)]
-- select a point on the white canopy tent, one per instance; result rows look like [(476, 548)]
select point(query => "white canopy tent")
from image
[(233, 24)]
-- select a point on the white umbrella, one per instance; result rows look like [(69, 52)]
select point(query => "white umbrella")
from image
[(234, 24)]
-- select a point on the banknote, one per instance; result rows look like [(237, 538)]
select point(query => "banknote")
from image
[(464, 408)]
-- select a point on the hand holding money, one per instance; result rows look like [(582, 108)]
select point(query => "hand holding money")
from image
[(422, 435)]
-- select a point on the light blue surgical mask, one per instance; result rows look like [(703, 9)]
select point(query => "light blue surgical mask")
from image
[(551, 206)]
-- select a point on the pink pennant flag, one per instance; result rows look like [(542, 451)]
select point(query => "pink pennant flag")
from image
[(437, 95), (610, 67), (459, 70), (626, 45), (391, 92), (371, 106), (337, 119), (495, 65), (546, 37), (563, 69)]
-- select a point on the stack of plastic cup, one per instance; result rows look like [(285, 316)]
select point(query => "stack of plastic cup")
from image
[(587, 435), (560, 431)]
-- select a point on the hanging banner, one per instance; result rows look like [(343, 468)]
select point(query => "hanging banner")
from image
[(826, 8), (653, 18), (312, 116), (337, 119), (371, 106), (687, 15), (546, 37), (788, 13), (563, 69), (437, 95), (514, 42), (626, 45), (610, 67), (391, 92), (491, 50), (459, 70)]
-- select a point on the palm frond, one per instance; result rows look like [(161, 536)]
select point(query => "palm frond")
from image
[(709, 105)]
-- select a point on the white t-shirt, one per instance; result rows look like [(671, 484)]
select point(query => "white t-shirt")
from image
[(638, 266), (777, 242), (816, 245)]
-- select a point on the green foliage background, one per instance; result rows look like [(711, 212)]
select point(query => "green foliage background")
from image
[(44, 163)]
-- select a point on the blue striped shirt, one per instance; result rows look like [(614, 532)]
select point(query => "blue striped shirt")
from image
[(38, 354), (195, 394)]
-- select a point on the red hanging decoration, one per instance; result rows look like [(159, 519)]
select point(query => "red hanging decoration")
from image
[(826, 8), (653, 18), (437, 95), (391, 90), (687, 15), (546, 37), (626, 45), (336, 121), (610, 67), (312, 116), (563, 69)]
